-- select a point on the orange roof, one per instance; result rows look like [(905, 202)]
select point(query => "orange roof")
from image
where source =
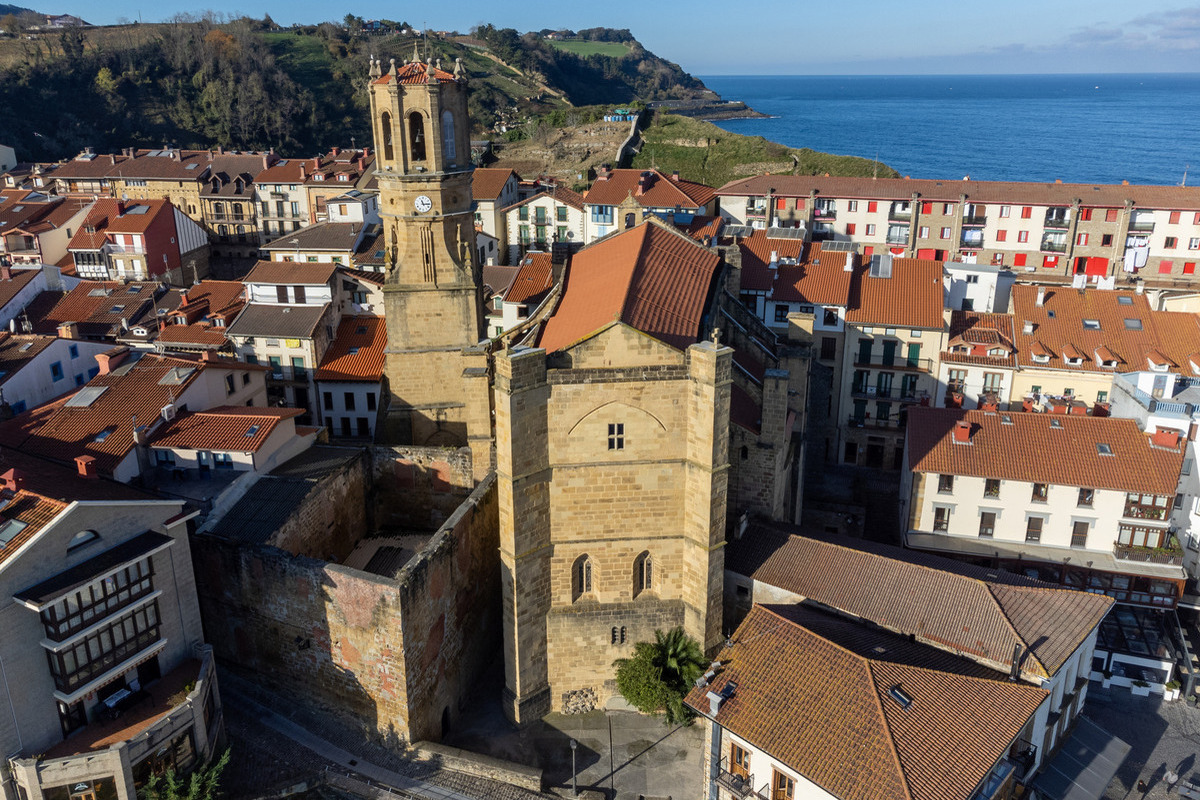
[(658, 191), (799, 277), (488, 184), (1010, 192), (911, 298), (974, 334), (1071, 323), (132, 220), (287, 170), (702, 227), (1056, 449), (290, 272), (533, 279), (830, 713), (650, 277), (559, 193), (357, 352), (242, 429), (99, 307), (98, 420), (414, 72), (35, 511)]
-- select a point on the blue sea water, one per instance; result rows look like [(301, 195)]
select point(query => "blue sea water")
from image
[(1074, 128)]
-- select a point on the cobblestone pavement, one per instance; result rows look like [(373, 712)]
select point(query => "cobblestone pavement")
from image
[(1164, 736), (253, 771)]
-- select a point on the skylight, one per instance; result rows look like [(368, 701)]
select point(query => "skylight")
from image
[(354, 351), (900, 696), (1091, 324), (117, 309), (25, 347), (361, 330), (9, 531), (133, 290), (104, 434), (1133, 324), (252, 430), (1124, 300), (1104, 449)]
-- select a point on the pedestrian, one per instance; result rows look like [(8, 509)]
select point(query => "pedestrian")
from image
[(1141, 786)]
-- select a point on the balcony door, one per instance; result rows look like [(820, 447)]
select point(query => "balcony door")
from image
[(782, 787), (889, 351)]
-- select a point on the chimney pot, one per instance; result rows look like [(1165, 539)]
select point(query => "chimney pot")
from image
[(86, 466), (5, 272), (111, 359), (1041, 296), (962, 432)]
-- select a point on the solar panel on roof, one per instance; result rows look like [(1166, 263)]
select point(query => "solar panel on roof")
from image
[(739, 230), (86, 396), (837, 247), (10, 529), (98, 293), (137, 210), (786, 233)]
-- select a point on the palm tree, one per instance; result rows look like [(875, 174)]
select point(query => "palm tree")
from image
[(680, 658)]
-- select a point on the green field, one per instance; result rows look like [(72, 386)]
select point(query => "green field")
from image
[(580, 48)]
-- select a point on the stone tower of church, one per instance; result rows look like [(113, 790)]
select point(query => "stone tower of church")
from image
[(437, 377)]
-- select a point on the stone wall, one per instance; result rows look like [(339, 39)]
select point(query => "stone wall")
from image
[(419, 488), (330, 521), (396, 656)]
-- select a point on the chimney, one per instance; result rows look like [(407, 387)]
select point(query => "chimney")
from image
[(316, 162), (336, 150), (86, 466), (303, 173), (849, 262), (366, 152), (266, 162), (714, 703), (5, 272), (962, 432), (68, 330), (14, 480), (183, 298), (220, 149), (774, 264), (120, 207), (1140, 288), (1041, 296), (675, 176), (1027, 328), (1165, 438), (210, 155), (111, 359), (208, 355)]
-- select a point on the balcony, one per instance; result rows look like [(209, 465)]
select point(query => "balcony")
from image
[(234, 218), (751, 211), (896, 361), (1172, 554), (1054, 245), (971, 238), (1057, 219), (975, 220), (891, 423), (1141, 225), (900, 214), (824, 214), (737, 785), (134, 249), (1136, 510), (286, 216), (895, 238)]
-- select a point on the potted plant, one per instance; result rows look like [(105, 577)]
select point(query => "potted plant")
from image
[(1140, 688), (1171, 690)]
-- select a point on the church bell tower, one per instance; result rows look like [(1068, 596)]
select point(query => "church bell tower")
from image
[(432, 292)]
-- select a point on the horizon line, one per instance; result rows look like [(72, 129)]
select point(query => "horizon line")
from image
[(935, 74)]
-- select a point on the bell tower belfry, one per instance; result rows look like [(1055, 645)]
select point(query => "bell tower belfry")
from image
[(432, 293)]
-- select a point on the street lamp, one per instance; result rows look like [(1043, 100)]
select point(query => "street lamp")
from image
[(574, 784)]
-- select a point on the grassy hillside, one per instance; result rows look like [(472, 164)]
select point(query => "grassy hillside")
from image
[(584, 49), (703, 152)]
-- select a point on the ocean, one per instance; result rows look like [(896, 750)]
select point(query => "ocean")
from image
[(1073, 128)]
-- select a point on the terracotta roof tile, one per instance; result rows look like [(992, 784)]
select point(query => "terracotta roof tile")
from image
[(940, 602), (243, 429), (660, 191), (98, 307), (561, 194), (414, 72), (499, 278), (1042, 448), (488, 184), (533, 279), (35, 511), (703, 227), (1062, 194), (844, 731), (173, 165), (18, 350), (981, 333), (912, 298), (1084, 321), (80, 168), (102, 428), (650, 277), (286, 170), (357, 352), (291, 272)]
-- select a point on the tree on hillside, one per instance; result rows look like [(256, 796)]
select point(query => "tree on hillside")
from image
[(201, 785), (659, 674)]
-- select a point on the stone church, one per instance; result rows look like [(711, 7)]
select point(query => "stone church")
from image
[(607, 423)]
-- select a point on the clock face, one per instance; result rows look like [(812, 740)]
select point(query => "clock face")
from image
[(423, 204)]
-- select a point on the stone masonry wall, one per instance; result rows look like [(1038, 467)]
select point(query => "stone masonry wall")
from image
[(419, 487), (330, 521)]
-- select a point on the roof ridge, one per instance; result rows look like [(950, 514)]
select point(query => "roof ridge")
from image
[(627, 295), (1007, 621)]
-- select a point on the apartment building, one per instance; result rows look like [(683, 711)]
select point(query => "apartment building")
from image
[(494, 190), (171, 173), (324, 242), (197, 319), (107, 680), (20, 210), (621, 198), (36, 369), (147, 240), (529, 285), (43, 237), (282, 198), (548, 218), (1046, 231), (228, 204), (334, 174), (350, 378), (229, 438), (106, 422), (87, 174), (895, 329), (868, 715), (1077, 501), (977, 367)]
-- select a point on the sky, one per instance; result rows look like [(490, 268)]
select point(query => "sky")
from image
[(795, 37)]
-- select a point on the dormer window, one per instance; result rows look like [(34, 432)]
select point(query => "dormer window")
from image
[(1091, 324), (1074, 361), (1159, 367), (998, 351), (1041, 358), (343, 176)]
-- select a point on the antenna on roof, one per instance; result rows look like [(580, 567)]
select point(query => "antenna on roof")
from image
[(1185, 169)]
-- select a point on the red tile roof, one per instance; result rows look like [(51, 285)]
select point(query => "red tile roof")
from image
[(947, 608), (973, 334), (88, 168), (170, 165), (800, 276), (11, 287), (287, 170), (488, 184), (130, 222), (534, 278), (1120, 321), (63, 430), (35, 511), (243, 429), (357, 352), (99, 307), (660, 191), (912, 298), (1042, 448), (828, 713), (312, 273), (559, 193), (19, 207), (650, 277), (414, 72), (1059, 194)]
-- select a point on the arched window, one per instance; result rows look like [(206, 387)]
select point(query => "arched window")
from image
[(385, 122), (416, 136), (448, 137), (218, 210), (643, 573), (630, 220), (581, 577)]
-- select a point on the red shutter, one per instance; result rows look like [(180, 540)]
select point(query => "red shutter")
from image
[(850, 228), (867, 253), (1050, 262), (1174, 217), (781, 204), (1164, 266), (1026, 212), (1001, 236), (872, 206), (1085, 214), (1110, 215), (1096, 266), (1019, 260), (1189, 268), (927, 207), (926, 252)]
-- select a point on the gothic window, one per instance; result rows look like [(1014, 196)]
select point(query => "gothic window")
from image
[(448, 149), (385, 122), (643, 573), (581, 577), (416, 136)]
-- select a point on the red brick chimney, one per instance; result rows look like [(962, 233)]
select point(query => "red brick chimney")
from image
[(86, 466), (183, 298), (68, 330), (111, 359), (962, 432), (5, 272), (13, 480), (366, 152), (1165, 438), (336, 150)]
